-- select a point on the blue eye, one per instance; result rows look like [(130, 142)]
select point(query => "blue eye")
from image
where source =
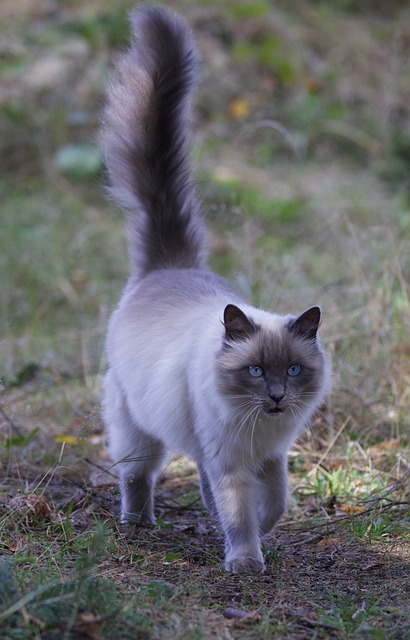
[(294, 370), (255, 371)]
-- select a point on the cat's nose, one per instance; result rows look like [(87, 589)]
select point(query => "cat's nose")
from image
[(277, 396)]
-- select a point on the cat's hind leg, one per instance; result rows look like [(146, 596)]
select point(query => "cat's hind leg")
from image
[(138, 472), (206, 491), (138, 456)]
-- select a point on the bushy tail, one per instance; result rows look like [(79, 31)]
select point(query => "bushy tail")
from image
[(145, 145)]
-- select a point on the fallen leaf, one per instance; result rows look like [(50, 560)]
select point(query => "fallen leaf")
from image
[(68, 439), (312, 84), (383, 447), (405, 349), (239, 109), (328, 540), (350, 509), (32, 507)]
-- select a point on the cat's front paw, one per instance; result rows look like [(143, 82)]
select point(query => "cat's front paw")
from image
[(245, 565), (129, 518)]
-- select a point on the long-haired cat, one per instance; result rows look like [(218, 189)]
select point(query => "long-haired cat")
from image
[(192, 367)]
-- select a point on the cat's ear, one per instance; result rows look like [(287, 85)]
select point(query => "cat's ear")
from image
[(307, 324), (237, 324)]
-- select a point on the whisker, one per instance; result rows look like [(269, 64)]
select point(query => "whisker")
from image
[(256, 416), (247, 412)]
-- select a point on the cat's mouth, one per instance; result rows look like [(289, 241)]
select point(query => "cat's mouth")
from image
[(273, 411)]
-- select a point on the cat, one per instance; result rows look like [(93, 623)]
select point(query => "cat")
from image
[(192, 367)]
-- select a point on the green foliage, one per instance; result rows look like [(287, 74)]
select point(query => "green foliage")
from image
[(21, 441), (379, 526), (252, 202), (352, 615), (342, 482), (54, 602), (158, 588), (372, 7), (245, 10), (110, 28), (79, 161), (56, 279), (269, 52), (26, 373), (394, 168), (8, 586), (308, 110)]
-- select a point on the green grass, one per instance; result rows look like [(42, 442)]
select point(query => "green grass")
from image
[(307, 198)]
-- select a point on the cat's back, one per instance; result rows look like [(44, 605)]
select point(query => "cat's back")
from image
[(170, 307), (176, 291), (189, 287), (161, 341)]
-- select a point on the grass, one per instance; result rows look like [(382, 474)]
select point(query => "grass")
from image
[(301, 146)]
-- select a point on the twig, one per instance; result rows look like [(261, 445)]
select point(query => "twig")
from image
[(10, 422), (279, 128), (171, 503), (342, 519), (107, 471), (401, 481), (330, 446), (317, 536)]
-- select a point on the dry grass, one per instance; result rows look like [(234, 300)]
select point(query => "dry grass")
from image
[(302, 150)]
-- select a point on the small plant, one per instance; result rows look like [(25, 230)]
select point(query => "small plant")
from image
[(376, 527), (35, 600), (354, 616), (269, 52), (341, 483)]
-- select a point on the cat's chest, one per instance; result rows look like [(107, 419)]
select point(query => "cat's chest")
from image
[(249, 440)]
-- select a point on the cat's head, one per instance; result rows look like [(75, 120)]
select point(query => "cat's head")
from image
[(273, 364)]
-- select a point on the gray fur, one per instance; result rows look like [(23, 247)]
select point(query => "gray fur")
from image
[(182, 343), (144, 143)]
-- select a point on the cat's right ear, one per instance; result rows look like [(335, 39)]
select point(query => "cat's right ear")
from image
[(237, 324), (307, 324)]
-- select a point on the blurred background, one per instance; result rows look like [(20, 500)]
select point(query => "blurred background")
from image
[(301, 146)]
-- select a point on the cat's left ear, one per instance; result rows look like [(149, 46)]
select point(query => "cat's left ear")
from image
[(237, 324), (307, 324)]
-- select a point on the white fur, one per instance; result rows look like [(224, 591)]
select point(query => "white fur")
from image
[(162, 394), (171, 361)]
